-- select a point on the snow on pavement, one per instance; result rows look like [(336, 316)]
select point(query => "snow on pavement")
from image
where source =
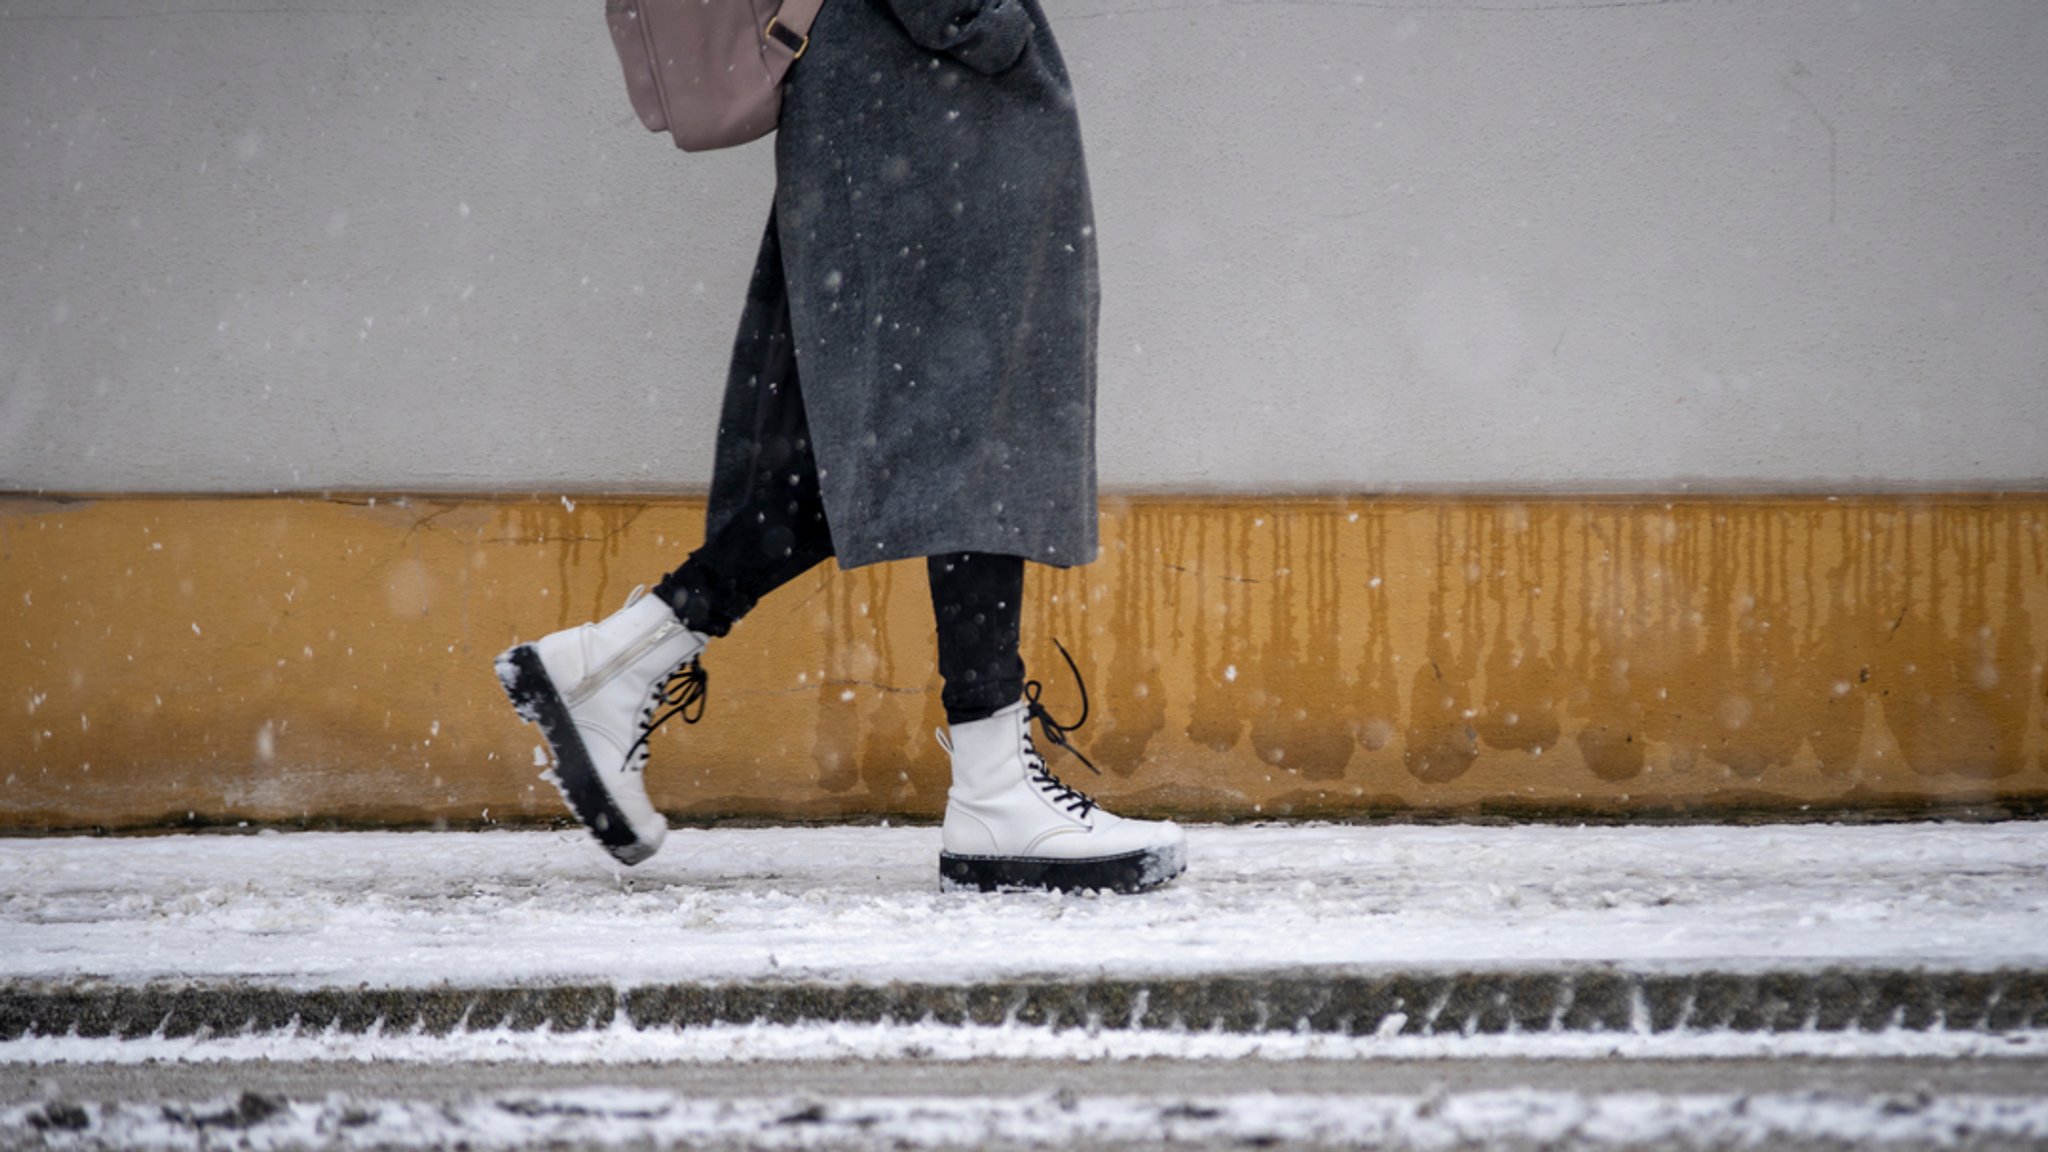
[(614, 1117), (409, 909)]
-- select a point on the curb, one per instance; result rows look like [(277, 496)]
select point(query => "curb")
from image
[(1583, 1000)]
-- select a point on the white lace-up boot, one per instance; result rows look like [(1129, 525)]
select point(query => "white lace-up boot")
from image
[(1010, 823), (595, 691)]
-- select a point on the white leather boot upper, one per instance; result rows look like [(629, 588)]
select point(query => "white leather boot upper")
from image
[(610, 675), (1005, 803)]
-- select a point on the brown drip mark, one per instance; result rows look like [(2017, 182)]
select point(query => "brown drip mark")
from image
[(1698, 640), (566, 530), (1134, 694), (1520, 711), (837, 734), (899, 760), (1760, 731), (1837, 647), (1678, 660), (1300, 667), (1442, 741), (885, 729), (1223, 628), (864, 734), (1700, 657), (1376, 698), (1611, 739), (1961, 706)]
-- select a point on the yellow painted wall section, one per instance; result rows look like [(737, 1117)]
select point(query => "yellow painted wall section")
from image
[(203, 660)]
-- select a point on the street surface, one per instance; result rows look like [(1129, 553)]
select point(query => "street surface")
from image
[(1445, 988)]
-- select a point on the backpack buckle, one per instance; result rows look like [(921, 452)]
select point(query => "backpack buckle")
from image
[(791, 40)]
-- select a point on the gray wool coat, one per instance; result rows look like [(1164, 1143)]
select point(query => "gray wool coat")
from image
[(931, 261)]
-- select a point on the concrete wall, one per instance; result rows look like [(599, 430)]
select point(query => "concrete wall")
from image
[(1520, 244)]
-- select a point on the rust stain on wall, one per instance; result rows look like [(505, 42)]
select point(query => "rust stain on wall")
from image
[(207, 660)]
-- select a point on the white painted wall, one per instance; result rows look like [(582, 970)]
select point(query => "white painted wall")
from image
[(1412, 243)]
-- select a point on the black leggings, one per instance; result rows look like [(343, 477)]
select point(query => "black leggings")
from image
[(781, 533)]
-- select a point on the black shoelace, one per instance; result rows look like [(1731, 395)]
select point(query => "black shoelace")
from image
[(1078, 802), (683, 693)]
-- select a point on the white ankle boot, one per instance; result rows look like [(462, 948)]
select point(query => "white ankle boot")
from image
[(595, 690), (1010, 823)]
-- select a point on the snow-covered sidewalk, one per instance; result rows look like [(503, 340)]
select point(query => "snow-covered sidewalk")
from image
[(390, 909), (834, 943), (864, 904)]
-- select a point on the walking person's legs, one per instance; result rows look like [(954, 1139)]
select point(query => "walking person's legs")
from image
[(1010, 822), (600, 690), (978, 605)]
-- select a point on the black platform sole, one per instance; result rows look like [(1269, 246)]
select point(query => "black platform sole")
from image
[(533, 695), (1131, 872)]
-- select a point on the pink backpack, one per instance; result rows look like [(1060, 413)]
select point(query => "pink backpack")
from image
[(709, 72)]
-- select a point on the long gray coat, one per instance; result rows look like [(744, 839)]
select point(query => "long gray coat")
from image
[(933, 242)]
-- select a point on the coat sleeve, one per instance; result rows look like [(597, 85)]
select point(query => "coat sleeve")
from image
[(986, 35)]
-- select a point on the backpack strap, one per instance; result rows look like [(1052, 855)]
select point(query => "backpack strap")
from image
[(791, 26)]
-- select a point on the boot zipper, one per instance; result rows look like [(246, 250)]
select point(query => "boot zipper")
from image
[(617, 664)]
